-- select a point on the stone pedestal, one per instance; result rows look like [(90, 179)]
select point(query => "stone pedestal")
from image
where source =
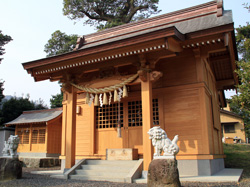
[(163, 172), (122, 154), (10, 168)]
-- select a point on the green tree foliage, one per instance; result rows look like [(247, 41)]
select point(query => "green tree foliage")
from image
[(240, 103), (109, 13), (243, 42), (60, 43), (14, 107), (4, 39), (56, 100), (1, 91)]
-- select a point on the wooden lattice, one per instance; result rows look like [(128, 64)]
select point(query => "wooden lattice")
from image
[(41, 139), (38, 136), (34, 136), (107, 116), (134, 113)]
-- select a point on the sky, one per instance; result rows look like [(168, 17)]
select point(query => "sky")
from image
[(30, 23)]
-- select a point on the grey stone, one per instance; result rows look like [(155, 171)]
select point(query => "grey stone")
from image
[(10, 168), (163, 172)]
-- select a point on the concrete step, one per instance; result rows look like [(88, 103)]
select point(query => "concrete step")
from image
[(102, 173), (97, 178), (106, 168), (140, 181), (111, 162)]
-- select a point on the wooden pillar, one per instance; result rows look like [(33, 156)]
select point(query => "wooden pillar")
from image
[(30, 136), (64, 122), (70, 129), (147, 121), (92, 129), (46, 137)]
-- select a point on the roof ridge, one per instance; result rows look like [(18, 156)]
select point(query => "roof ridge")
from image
[(145, 24), (148, 20), (43, 110)]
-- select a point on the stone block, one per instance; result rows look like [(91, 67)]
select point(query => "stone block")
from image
[(122, 154), (163, 172), (40, 162), (10, 168)]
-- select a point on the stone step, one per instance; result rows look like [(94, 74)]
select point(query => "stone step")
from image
[(111, 162), (114, 173), (97, 178), (106, 167), (140, 181), (105, 170)]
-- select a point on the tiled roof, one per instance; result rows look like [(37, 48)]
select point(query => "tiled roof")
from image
[(36, 116)]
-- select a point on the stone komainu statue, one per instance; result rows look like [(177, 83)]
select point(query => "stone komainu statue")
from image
[(10, 146), (161, 142)]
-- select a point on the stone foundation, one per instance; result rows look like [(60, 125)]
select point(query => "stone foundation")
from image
[(200, 167), (40, 162)]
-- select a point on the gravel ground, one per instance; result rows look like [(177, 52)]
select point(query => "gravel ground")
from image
[(35, 180)]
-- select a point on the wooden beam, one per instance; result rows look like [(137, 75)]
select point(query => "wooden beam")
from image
[(200, 64), (173, 45), (232, 56), (219, 58), (147, 115), (223, 83), (71, 129), (154, 76)]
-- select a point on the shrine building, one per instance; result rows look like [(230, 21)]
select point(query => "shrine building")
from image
[(39, 132), (170, 70)]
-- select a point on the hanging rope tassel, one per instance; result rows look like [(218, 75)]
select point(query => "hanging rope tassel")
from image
[(91, 99), (105, 99), (125, 91), (115, 96), (110, 97), (96, 100)]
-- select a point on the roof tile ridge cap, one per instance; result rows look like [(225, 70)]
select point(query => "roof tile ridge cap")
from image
[(148, 20), (150, 27), (43, 110)]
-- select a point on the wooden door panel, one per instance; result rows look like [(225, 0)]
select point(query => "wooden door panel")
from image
[(107, 139), (135, 138)]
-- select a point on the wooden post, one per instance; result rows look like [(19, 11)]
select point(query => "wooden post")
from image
[(92, 129), (46, 137), (147, 115), (30, 136), (64, 122), (71, 129)]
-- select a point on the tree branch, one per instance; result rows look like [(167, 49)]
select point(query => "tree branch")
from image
[(133, 12)]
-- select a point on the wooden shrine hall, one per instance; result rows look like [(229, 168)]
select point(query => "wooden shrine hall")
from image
[(39, 132), (170, 70)]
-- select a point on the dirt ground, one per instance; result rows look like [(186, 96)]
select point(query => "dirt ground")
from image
[(35, 180)]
